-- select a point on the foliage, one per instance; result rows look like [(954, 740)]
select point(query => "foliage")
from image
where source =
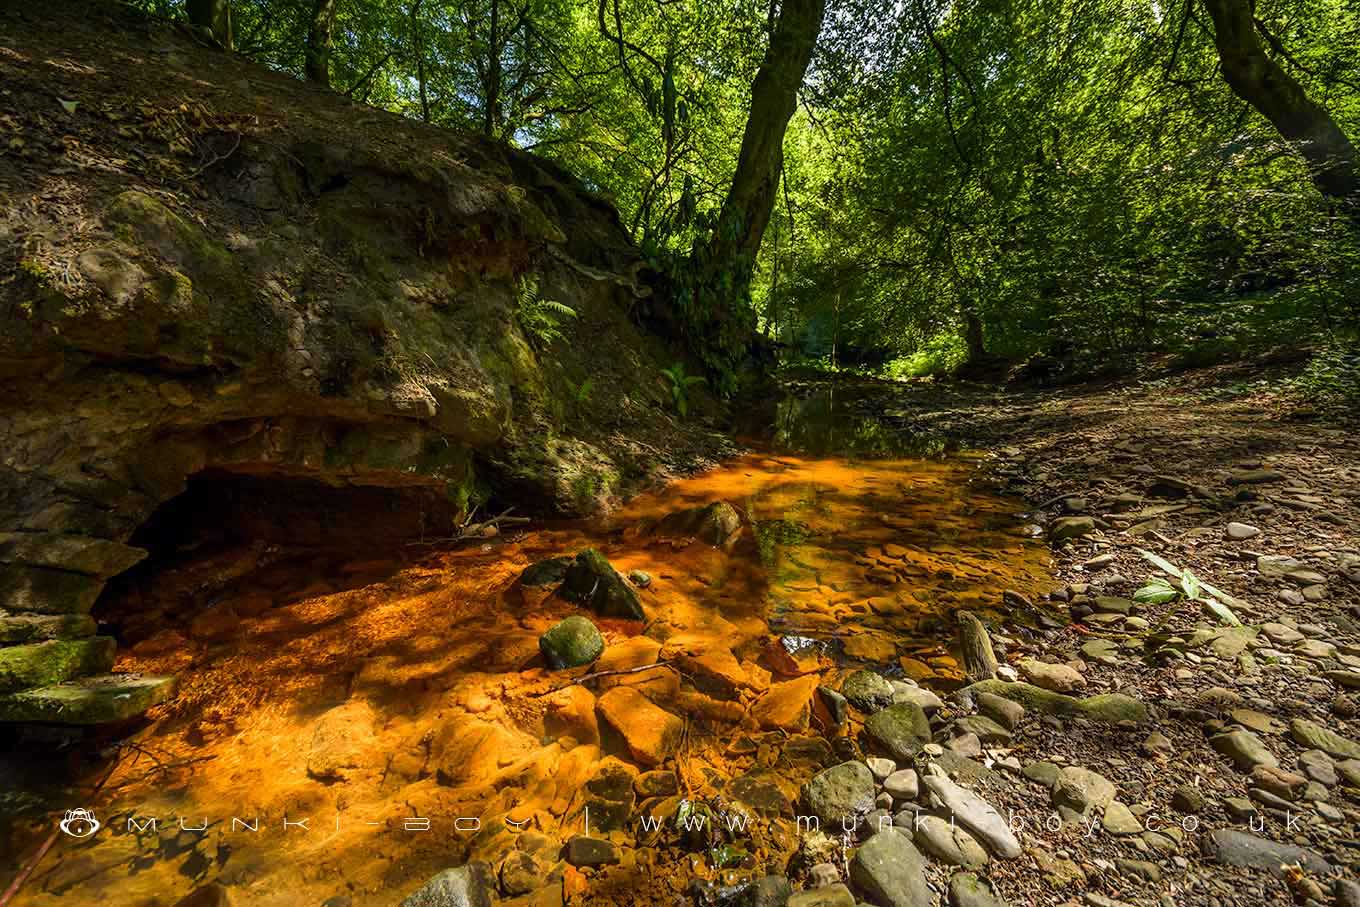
[(540, 319), (940, 354), (580, 393), (1184, 584), (1331, 380), (1044, 181), (680, 383)]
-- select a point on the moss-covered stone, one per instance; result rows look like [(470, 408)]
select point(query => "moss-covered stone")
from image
[(43, 663), (90, 700), (16, 628), (1109, 708), (571, 643), (899, 730), (592, 581)]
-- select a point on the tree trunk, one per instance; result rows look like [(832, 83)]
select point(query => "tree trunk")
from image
[(416, 40), (973, 336), (320, 37), (492, 103), (774, 97), (215, 16), (320, 40), (1265, 85)]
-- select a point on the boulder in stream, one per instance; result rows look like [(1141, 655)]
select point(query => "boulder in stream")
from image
[(571, 643), (593, 582), (713, 524)]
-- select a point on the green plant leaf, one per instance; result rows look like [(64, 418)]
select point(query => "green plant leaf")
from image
[(1157, 591), (1190, 585)]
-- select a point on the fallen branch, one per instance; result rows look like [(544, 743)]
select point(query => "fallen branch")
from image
[(470, 530), (596, 675)]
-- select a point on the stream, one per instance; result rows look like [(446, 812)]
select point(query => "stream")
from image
[(351, 723)]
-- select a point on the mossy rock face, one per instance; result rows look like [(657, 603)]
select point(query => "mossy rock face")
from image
[(335, 306), (44, 591), (593, 582), (16, 628), (571, 643), (43, 663), (90, 700), (74, 553)]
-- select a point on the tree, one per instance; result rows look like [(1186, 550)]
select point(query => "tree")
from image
[(736, 238), (320, 38), (215, 17), (1260, 81)]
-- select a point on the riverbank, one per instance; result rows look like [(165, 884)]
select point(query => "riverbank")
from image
[(791, 719)]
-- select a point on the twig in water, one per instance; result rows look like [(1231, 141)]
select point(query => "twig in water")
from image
[(598, 674)]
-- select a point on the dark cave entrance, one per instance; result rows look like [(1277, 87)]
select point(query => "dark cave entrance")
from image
[(235, 543)]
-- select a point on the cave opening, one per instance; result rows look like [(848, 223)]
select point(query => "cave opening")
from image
[(236, 543)]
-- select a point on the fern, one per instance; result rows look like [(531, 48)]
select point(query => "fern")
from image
[(680, 383), (541, 319)]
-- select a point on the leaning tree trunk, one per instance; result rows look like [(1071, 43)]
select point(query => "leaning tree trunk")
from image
[(1265, 85), (215, 16), (320, 39), (774, 96)]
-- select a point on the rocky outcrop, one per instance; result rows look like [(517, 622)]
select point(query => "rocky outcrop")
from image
[(327, 294)]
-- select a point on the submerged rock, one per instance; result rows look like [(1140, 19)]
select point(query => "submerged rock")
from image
[(593, 582), (651, 732), (713, 524), (587, 851), (571, 643), (548, 572)]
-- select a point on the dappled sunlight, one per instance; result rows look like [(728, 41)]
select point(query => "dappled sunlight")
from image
[(422, 694)]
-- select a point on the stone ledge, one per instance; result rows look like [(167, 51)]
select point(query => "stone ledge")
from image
[(90, 700), (54, 661)]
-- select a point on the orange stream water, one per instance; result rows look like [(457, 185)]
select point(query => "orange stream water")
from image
[(393, 691)]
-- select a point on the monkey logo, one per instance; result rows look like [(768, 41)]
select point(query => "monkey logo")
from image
[(79, 823)]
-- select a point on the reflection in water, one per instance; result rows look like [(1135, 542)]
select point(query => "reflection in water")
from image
[(379, 700), (847, 421)]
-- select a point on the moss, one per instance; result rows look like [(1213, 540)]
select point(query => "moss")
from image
[(40, 664), (92, 700), (172, 236), (571, 643), (1110, 708)]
